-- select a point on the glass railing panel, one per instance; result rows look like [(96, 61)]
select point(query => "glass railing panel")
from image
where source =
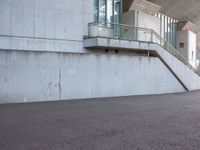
[(143, 35), (93, 30), (100, 30), (162, 42), (128, 33), (105, 31), (116, 31), (156, 39)]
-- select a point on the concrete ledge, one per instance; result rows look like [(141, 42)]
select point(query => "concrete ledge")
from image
[(40, 44), (111, 43)]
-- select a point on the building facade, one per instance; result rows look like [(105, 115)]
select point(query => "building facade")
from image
[(63, 49)]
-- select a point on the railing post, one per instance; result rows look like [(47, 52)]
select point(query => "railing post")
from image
[(137, 34), (113, 28), (89, 29)]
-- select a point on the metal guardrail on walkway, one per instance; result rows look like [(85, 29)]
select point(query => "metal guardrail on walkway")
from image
[(132, 33)]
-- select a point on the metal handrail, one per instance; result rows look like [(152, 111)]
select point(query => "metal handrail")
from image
[(135, 36), (178, 55), (125, 25)]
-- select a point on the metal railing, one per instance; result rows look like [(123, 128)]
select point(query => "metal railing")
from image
[(132, 33)]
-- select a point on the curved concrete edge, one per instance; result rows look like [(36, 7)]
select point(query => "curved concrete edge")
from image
[(23, 43)]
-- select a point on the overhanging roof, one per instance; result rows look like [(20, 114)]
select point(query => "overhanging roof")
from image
[(145, 6), (183, 10)]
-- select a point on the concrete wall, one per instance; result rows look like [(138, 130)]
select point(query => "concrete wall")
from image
[(148, 21), (190, 79), (189, 49), (44, 25), (42, 56), (129, 18), (189, 40), (41, 76), (141, 19), (182, 37)]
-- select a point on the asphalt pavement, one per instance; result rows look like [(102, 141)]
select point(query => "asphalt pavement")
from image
[(157, 122)]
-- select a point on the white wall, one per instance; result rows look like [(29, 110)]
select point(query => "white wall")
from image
[(47, 26), (44, 25), (39, 76), (141, 19), (129, 18), (192, 45), (188, 77), (189, 49), (148, 21), (182, 37)]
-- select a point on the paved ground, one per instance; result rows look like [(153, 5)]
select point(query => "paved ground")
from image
[(163, 122)]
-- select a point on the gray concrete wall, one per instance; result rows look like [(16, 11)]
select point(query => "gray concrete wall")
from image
[(129, 18), (189, 50), (182, 37), (141, 19), (189, 78), (42, 56), (148, 21), (189, 40), (186, 75), (41, 76), (44, 25)]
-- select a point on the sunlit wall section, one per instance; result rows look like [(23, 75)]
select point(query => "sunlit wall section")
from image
[(168, 27)]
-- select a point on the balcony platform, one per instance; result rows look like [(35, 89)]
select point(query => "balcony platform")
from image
[(109, 43)]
